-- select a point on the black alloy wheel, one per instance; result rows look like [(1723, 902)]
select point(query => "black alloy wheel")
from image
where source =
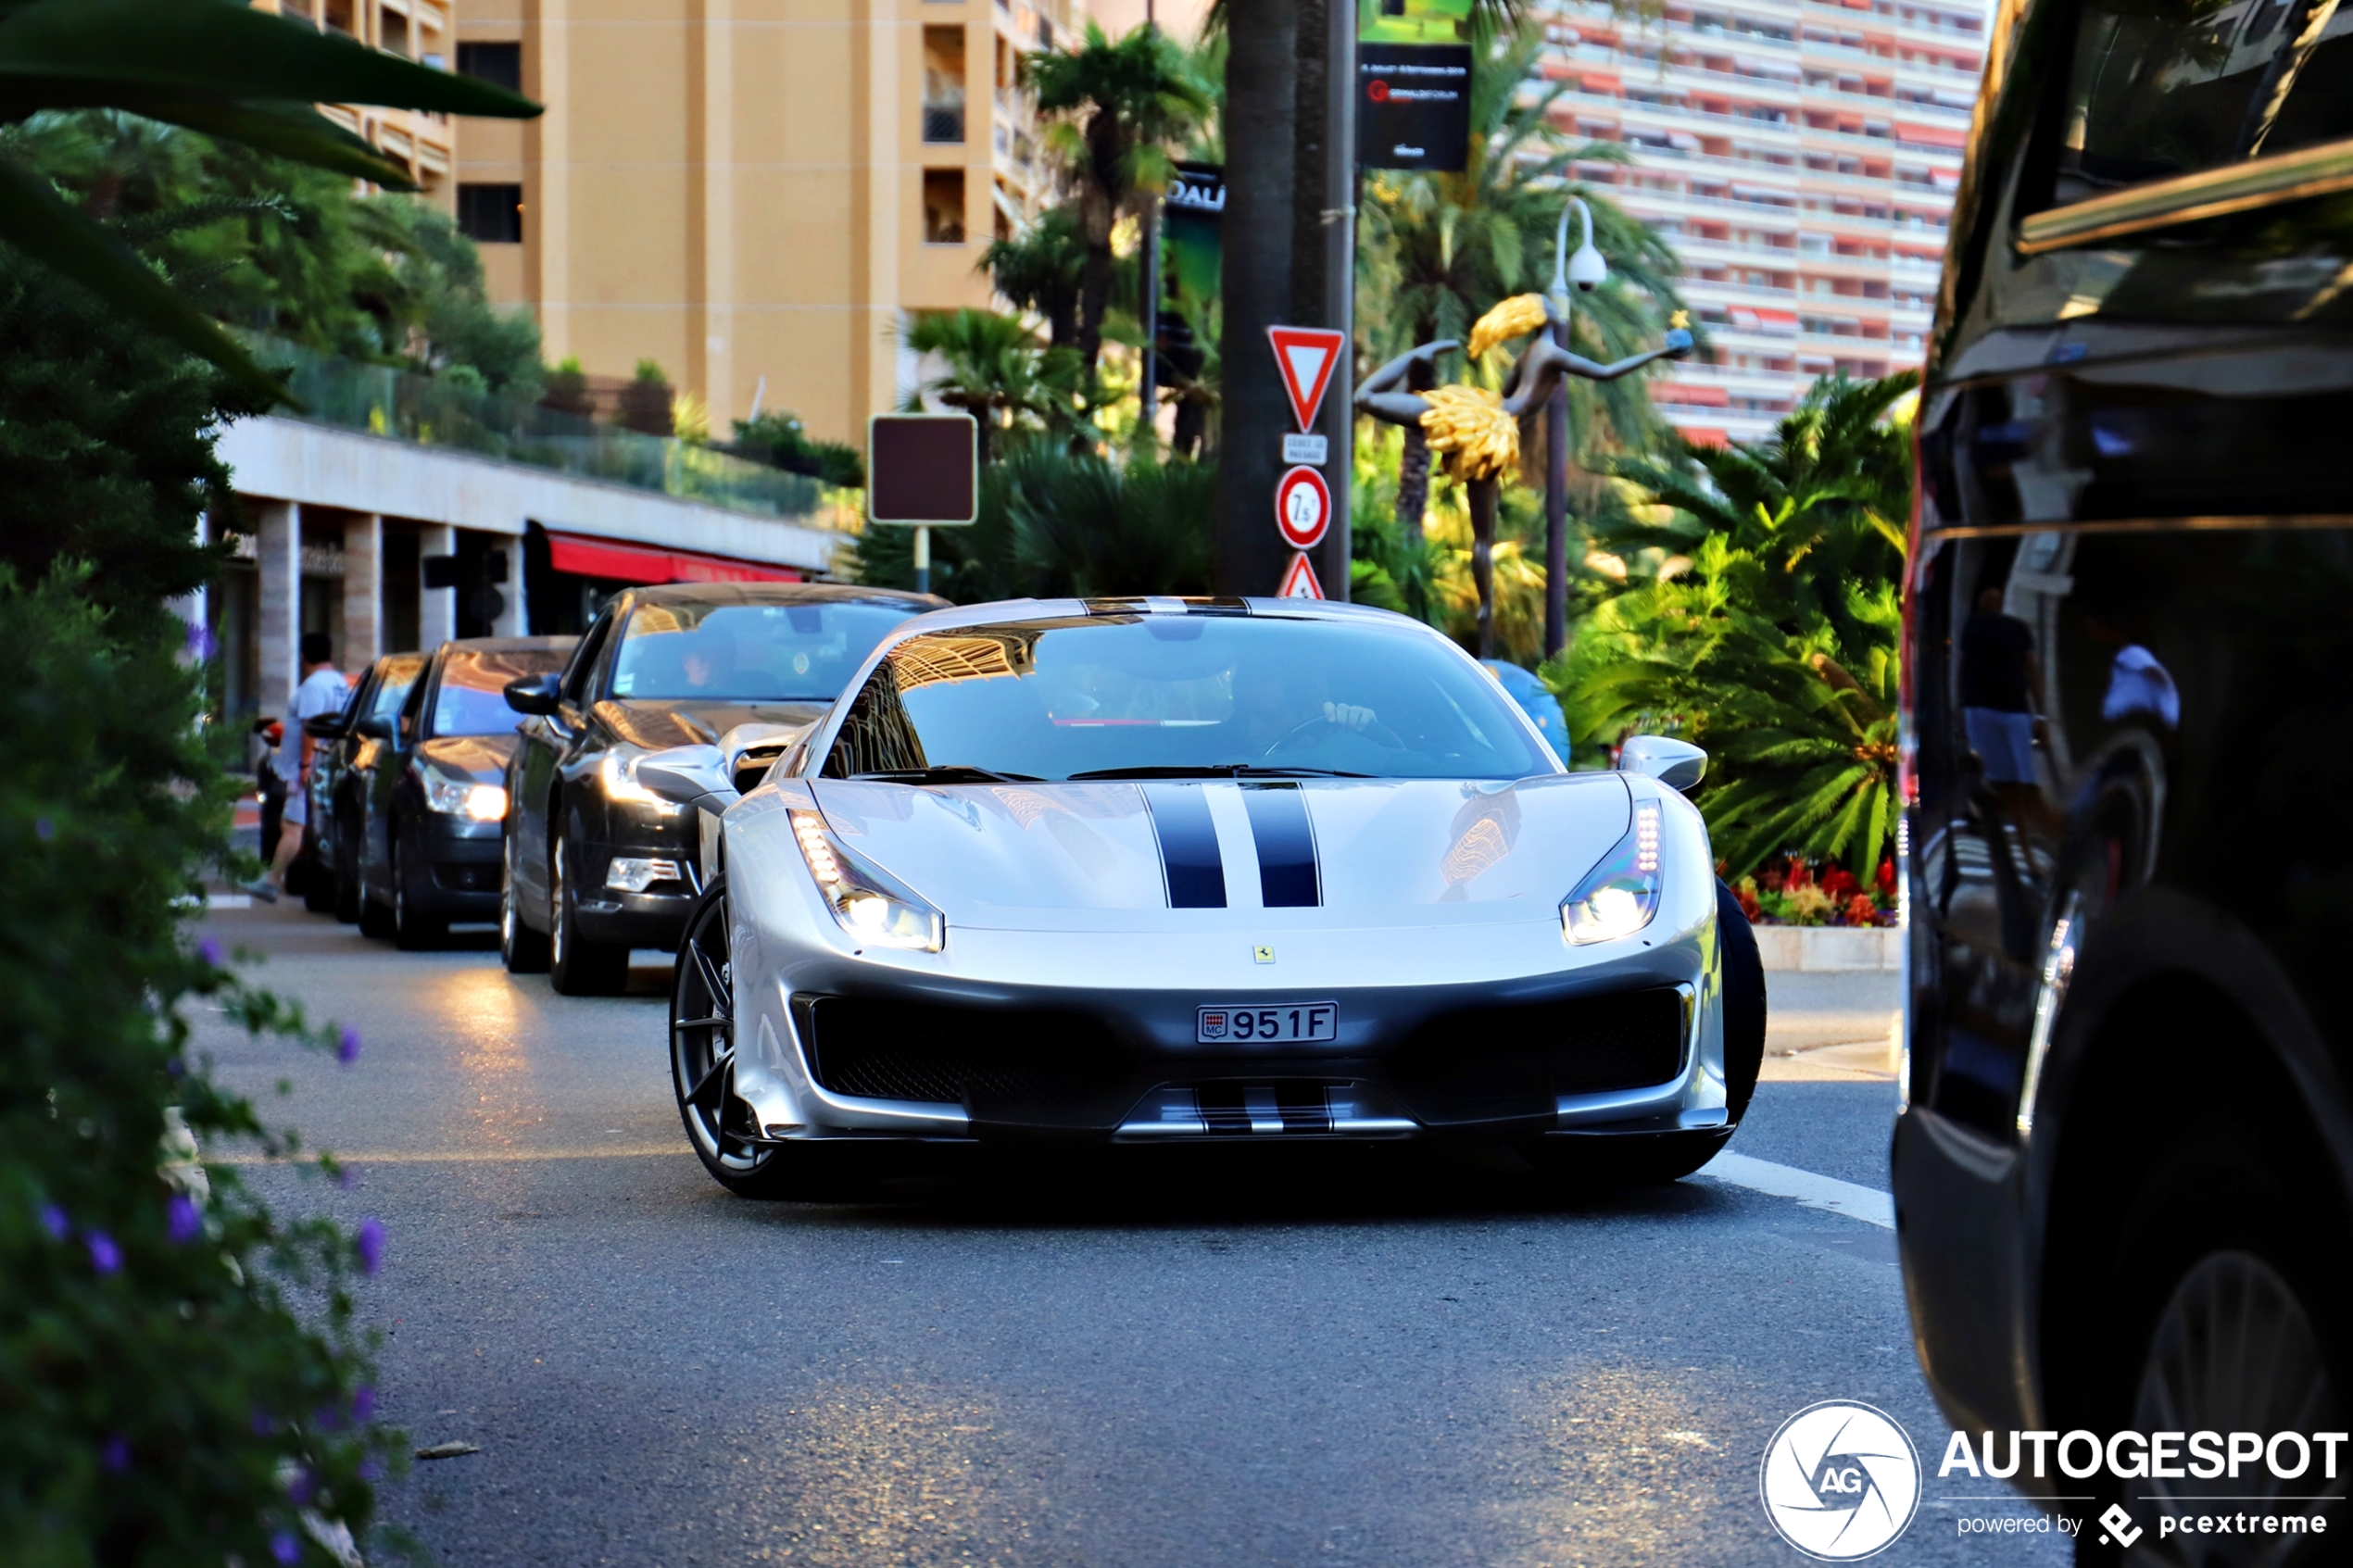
[(2227, 1312), (578, 967), (521, 950), (702, 1052), (351, 897), (412, 929)]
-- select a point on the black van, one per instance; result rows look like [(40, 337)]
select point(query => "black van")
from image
[(2123, 1169)]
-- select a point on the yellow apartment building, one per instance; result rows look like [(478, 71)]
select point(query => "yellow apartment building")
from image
[(421, 29), (751, 193)]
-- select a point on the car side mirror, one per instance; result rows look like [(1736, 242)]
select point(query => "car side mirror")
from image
[(324, 726), (1675, 763), (539, 695), (375, 727), (683, 774)]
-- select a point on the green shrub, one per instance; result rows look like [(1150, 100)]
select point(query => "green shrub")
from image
[(180, 1377)]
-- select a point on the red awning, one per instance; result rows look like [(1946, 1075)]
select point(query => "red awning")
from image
[(648, 564), (1690, 395)]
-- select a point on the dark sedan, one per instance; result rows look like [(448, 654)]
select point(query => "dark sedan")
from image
[(596, 863), (427, 830), (350, 745)]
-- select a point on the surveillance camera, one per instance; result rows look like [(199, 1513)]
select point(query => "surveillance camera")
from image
[(1587, 269)]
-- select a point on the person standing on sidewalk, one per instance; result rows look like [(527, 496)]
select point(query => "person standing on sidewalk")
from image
[(324, 690)]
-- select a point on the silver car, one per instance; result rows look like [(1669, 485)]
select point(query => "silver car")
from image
[(1171, 870)]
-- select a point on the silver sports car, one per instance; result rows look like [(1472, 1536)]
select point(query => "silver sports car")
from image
[(1168, 870)]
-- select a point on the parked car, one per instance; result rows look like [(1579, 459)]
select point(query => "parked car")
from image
[(1535, 699), (341, 764), (1170, 871), (595, 864), (2123, 1171), (428, 824)]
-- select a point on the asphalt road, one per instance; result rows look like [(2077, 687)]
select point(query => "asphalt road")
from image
[(1186, 1362)]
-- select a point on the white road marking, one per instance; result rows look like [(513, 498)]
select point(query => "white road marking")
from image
[(1868, 1204)]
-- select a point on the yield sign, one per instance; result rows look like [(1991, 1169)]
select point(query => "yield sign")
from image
[(1307, 356), (1300, 582)]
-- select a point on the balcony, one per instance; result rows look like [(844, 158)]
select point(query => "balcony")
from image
[(385, 402)]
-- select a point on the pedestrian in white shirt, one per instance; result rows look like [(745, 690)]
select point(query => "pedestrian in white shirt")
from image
[(322, 690)]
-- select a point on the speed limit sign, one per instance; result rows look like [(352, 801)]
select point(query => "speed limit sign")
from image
[(1302, 508)]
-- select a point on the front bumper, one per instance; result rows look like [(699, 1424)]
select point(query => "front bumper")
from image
[(462, 859), (655, 918), (1605, 1043)]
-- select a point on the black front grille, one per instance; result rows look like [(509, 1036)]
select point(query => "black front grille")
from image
[(1513, 1062), (1013, 1066), (466, 878)]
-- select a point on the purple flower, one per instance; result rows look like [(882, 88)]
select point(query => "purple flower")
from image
[(181, 1222), (43, 829), (116, 1455), (346, 1176), (262, 1425), (210, 951), (54, 1220), (200, 641), (370, 1471), (284, 1548), (371, 1242), (105, 1256), (348, 1046), (301, 1487), (363, 1402)]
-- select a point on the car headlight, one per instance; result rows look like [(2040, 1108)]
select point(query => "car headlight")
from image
[(463, 798), (1619, 897), (617, 772), (870, 906)]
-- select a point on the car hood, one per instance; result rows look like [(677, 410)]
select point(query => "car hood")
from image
[(483, 758), (655, 724), (1039, 856)]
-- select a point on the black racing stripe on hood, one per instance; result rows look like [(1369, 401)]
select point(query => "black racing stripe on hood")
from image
[(1188, 857), (1288, 877)]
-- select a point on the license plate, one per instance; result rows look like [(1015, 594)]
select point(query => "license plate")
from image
[(1292, 1023)]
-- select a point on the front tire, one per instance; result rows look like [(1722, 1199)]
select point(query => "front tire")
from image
[(1743, 975), (578, 967), (521, 950), (412, 929)]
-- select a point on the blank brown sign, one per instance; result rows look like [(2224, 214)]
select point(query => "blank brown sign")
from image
[(921, 469)]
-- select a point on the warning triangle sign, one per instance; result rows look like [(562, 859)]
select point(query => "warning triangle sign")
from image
[(1307, 356), (1300, 582)]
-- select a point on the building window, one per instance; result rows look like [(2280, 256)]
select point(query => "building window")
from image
[(491, 214), (499, 64), (943, 84), (944, 206)]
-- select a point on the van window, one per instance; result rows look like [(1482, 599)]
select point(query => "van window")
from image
[(2159, 88)]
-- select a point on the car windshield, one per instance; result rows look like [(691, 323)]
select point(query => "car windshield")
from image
[(472, 700), (749, 653), (1182, 695)]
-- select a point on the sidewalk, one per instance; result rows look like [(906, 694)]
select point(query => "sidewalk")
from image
[(1832, 1027)]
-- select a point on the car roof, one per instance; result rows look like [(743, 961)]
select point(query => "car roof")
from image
[(1000, 612), (781, 593), (556, 644)]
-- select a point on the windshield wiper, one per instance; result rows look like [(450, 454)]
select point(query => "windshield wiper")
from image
[(953, 772), (1218, 770)]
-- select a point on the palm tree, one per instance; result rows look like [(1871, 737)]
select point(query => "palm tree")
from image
[(226, 70), (996, 371), (1118, 106), (1824, 502), (1040, 269), (1438, 250), (1801, 728)]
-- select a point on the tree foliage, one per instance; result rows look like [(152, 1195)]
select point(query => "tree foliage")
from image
[(1117, 107), (996, 370), (778, 439), (1773, 642)]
